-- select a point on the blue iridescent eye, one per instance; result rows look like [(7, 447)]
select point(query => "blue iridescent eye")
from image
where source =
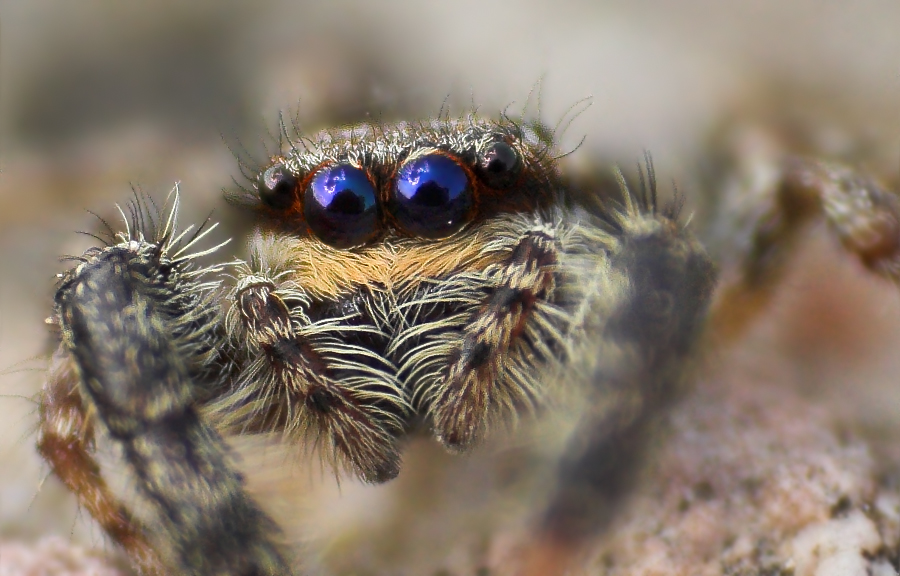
[(432, 196), (340, 206)]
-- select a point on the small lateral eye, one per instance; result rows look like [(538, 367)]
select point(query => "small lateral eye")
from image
[(277, 187), (340, 206), (499, 164), (432, 196)]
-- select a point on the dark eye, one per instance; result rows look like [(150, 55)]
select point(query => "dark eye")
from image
[(165, 270), (432, 196), (277, 187), (499, 164), (340, 206)]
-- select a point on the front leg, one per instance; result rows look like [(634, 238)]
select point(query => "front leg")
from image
[(639, 321), (140, 330)]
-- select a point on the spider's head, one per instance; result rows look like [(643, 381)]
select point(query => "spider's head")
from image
[(401, 200), (369, 184)]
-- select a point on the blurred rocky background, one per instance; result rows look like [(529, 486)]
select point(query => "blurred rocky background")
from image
[(99, 96)]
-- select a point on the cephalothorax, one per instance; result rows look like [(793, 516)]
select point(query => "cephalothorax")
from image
[(435, 277)]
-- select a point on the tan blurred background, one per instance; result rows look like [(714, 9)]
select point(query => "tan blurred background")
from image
[(97, 96)]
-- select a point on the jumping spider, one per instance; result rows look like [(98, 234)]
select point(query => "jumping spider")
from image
[(439, 277)]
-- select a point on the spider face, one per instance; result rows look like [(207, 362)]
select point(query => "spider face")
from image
[(378, 249), (414, 277)]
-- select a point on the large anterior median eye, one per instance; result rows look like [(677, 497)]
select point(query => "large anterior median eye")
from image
[(432, 196), (340, 206)]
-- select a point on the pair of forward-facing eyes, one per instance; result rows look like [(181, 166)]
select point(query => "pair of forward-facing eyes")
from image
[(431, 195)]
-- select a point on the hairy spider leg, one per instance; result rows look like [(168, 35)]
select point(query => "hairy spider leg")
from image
[(858, 211), (645, 311), (135, 340)]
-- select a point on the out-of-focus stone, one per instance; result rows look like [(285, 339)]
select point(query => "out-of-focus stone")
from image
[(753, 480)]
